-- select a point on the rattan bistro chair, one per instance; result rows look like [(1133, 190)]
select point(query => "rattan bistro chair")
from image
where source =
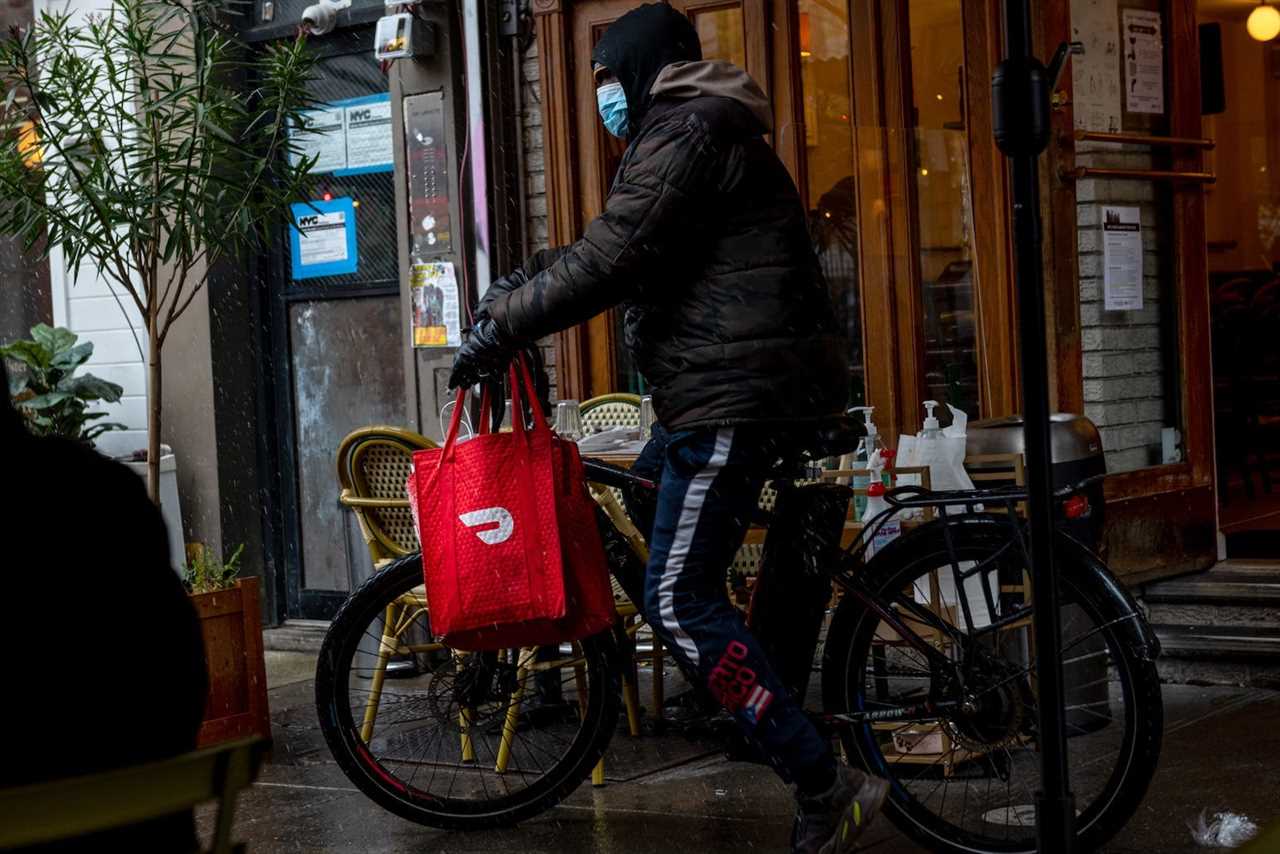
[(610, 410), (68, 809), (373, 465)]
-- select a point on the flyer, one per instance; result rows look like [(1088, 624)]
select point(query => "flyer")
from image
[(348, 137), (368, 124), (1143, 61), (435, 305), (323, 238), (321, 137), (1121, 258)]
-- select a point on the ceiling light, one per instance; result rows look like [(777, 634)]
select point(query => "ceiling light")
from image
[(1263, 23)]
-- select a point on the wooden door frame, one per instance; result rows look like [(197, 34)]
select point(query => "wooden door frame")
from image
[(1158, 516)]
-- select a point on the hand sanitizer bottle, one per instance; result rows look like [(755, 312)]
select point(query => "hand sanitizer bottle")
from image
[(931, 429), (876, 505), (866, 447)]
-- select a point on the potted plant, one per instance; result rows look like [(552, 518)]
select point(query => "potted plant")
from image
[(52, 397), (231, 626)]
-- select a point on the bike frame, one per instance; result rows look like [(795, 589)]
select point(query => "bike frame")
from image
[(951, 508)]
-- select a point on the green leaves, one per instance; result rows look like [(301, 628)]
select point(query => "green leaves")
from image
[(47, 391)]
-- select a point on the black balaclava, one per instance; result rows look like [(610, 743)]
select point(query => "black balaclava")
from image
[(639, 45)]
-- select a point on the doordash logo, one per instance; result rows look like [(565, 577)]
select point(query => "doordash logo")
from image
[(499, 516)]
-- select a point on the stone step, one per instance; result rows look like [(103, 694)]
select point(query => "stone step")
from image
[(295, 636), (1235, 642), (1243, 613), (1219, 654), (1249, 584)]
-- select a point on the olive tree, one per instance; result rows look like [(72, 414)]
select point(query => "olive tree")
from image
[(148, 140)]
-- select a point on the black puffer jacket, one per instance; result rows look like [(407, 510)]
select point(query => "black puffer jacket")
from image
[(703, 237)]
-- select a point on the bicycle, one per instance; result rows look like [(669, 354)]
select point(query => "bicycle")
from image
[(927, 669)]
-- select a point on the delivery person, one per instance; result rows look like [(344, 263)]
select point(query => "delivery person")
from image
[(704, 240)]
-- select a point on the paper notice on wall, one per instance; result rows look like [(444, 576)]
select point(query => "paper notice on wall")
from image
[(1143, 61), (349, 137), (321, 137), (1095, 74), (322, 240), (1122, 258), (435, 305), (369, 134)]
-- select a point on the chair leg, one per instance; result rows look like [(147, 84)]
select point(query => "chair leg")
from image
[(659, 677), (513, 710), (386, 646), (597, 774), (466, 717)]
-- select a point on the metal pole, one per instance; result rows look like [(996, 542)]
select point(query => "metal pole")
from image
[(1022, 80)]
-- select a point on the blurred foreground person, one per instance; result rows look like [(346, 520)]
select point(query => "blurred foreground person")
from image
[(105, 663)]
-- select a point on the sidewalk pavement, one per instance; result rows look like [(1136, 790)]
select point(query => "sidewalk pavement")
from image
[(1220, 752)]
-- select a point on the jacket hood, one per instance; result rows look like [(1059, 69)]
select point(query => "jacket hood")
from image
[(714, 77), (639, 45)]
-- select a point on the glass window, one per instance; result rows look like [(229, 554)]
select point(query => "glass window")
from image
[(720, 31), (829, 166), (943, 221)]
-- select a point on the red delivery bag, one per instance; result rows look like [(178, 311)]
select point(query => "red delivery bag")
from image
[(511, 554)]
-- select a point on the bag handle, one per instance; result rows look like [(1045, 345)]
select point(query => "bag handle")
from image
[(524, 380)]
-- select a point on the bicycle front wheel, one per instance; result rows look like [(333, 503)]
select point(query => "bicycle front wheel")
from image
[(452, 739), (951, 684)]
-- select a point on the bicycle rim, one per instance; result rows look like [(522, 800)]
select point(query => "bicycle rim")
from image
[(453, 739), (964, 779)]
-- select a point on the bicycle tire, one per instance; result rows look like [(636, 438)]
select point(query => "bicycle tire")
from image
[(1085, 582), (334, 709)]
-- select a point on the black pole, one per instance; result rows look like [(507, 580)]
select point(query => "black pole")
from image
[(1020, 107)]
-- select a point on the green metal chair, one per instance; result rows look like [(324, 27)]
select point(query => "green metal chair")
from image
[(64, 810)]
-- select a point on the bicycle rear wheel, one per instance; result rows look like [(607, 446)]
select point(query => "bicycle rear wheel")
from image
[(958, 738), (462, 740)]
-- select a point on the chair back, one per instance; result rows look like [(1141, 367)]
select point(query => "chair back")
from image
[(610, 410), (63, 810), (373, 465)]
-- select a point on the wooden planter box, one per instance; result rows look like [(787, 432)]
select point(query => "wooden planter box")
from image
[(231, 624)]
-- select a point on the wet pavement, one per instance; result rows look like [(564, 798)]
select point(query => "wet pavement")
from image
[(1220, 752)]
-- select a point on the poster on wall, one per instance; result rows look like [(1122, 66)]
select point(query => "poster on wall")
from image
[(1095, 74), (1143, 61), (434, 289), (348, 137), (322, 240), (1121, 258)]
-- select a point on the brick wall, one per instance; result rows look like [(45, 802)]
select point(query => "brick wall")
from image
[(535, 177), (1123, 350)]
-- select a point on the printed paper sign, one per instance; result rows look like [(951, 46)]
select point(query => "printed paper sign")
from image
[(321, 136), (349, 137), (323, 238), (368, 134), (1095, 74), (1143, 61), (435, 305), (1122, 259)]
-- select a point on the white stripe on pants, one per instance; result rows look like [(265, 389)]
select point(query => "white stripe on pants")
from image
[(694, 497)]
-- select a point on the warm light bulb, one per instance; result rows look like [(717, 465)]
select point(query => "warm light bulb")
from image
[(1263, 23)]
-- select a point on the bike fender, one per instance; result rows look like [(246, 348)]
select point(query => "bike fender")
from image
[(1136, 632)]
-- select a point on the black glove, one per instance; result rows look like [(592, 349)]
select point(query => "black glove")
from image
[(484, 354)]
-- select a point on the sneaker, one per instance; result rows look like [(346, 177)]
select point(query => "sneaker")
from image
[(832, 822)]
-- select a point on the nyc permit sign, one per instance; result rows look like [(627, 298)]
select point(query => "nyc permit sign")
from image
[(322, 238)]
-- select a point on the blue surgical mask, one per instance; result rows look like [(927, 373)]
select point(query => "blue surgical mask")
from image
[(612, 102)]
